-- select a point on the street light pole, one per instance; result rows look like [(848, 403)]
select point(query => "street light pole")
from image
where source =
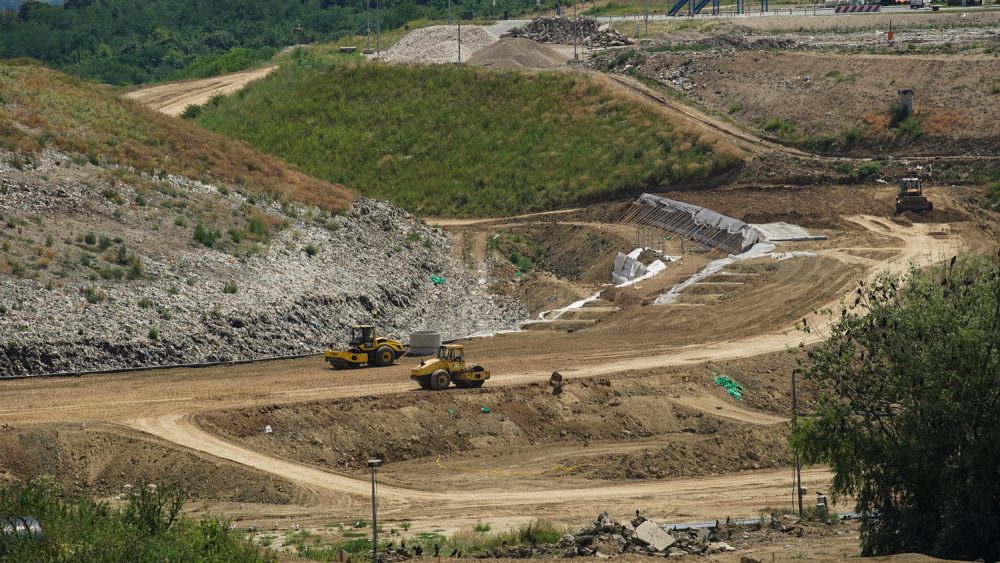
[(378, 31), (459, 31), (798, 465), (373, 463), (368, 16)]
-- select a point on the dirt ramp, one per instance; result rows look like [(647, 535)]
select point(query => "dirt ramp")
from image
[(516, 52)]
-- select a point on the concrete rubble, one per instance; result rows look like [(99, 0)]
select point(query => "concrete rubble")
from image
[(586, 31)]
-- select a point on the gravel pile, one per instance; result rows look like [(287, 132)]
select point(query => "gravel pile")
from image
[(370, 265), (515, 52), (439, 44), (588, 32)]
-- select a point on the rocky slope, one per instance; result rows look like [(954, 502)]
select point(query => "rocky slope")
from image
[(106, 267)]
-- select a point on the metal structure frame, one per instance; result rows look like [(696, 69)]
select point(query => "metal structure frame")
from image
[(684, 224)]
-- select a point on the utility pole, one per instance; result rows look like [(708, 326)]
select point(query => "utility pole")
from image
[(378, 31), (576, 32), (373, 463), (459, 31), (645, 4), (798, 465), (368, 16)]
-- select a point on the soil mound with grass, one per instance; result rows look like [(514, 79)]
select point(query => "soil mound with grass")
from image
[(515, 52)]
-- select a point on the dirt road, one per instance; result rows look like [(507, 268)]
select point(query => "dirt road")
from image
[(172, 98)]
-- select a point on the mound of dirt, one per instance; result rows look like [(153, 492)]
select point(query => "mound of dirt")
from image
[(439, 44), (515, 52), (101, 460)]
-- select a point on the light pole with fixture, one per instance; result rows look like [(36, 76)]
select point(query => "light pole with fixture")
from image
[(373, 464)]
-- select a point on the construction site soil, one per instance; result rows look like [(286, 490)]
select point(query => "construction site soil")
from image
[(639, 421), (776, 94)]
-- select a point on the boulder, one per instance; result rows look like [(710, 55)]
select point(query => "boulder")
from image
[(649, 534)]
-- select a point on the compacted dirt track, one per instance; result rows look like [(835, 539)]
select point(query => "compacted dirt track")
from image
[(172, 98), (164, 403)]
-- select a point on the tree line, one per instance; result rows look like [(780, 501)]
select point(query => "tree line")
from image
[(128, 42)]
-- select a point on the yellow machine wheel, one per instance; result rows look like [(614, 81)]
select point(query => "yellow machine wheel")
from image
[(384, 356), (440, 380)]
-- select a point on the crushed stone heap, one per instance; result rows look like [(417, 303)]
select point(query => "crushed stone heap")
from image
[(439, 44)]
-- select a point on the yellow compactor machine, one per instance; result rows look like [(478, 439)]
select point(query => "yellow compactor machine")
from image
[(449, 367), (366, 348)]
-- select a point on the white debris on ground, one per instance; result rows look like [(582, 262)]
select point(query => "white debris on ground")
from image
[(776, 232), (439, 44), (759, 250)]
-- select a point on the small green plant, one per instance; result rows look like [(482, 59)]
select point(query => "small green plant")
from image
[(230, 287), (154, 333), (310, 250), (910, 127), (734, 107), (145, 303), (191, 111), (481, 527), (522, 262), (779, 126), (852, 136), (869, 169), (180, 221), (49, 241), (172, 290), (90, 239), (207, 237), (93, 296), (140, 200), (995, 88), (406, 525)]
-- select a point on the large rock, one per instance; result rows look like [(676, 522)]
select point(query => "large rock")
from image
[(649, 534)]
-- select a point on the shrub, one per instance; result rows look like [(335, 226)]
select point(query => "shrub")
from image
[(145, 303), (852, 136), (154, 333), (180, 221), (205, 236), (310, 249), (191, 111), (93, 296), (481, 528), (230, 287), (523, 263), (90, 239), (906, 416), (994, 195), (149, 527), (909, 127), (869, 169)]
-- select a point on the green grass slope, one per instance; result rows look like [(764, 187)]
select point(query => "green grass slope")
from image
[(456, 141), (42, 108)]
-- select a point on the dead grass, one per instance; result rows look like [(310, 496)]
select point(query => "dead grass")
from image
[(43, 107)]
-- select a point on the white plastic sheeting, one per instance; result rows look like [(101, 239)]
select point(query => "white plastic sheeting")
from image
[(712, 229), (777, 232)]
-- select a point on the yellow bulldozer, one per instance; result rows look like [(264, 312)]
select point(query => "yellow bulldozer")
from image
[(449, 367), (366, 348), (910, 197)]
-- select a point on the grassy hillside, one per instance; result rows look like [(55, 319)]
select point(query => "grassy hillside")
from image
[(42, 108), (465, 141)]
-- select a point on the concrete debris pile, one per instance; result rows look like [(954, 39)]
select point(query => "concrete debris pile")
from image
[(439, 44), (586, 31), (605, 538)]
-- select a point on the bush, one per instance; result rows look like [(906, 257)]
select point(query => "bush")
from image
[(310, 249), (191, 111), (852, 136), (150, 527), (523, 263), (154, 333), (205, 236), (909, 384), (994, 195), (869, 169), (909, 127), (230, 287)]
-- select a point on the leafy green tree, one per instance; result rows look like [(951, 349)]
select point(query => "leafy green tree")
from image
[(909, 414)]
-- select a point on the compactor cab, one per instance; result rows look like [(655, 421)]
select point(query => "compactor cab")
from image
[(365, 348), (449, 366), (363, 337), (910, 197)]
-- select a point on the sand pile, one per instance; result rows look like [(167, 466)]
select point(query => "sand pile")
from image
[(439, 44), (513, 52)]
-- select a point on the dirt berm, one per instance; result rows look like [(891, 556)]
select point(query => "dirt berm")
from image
[(516, 52)]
